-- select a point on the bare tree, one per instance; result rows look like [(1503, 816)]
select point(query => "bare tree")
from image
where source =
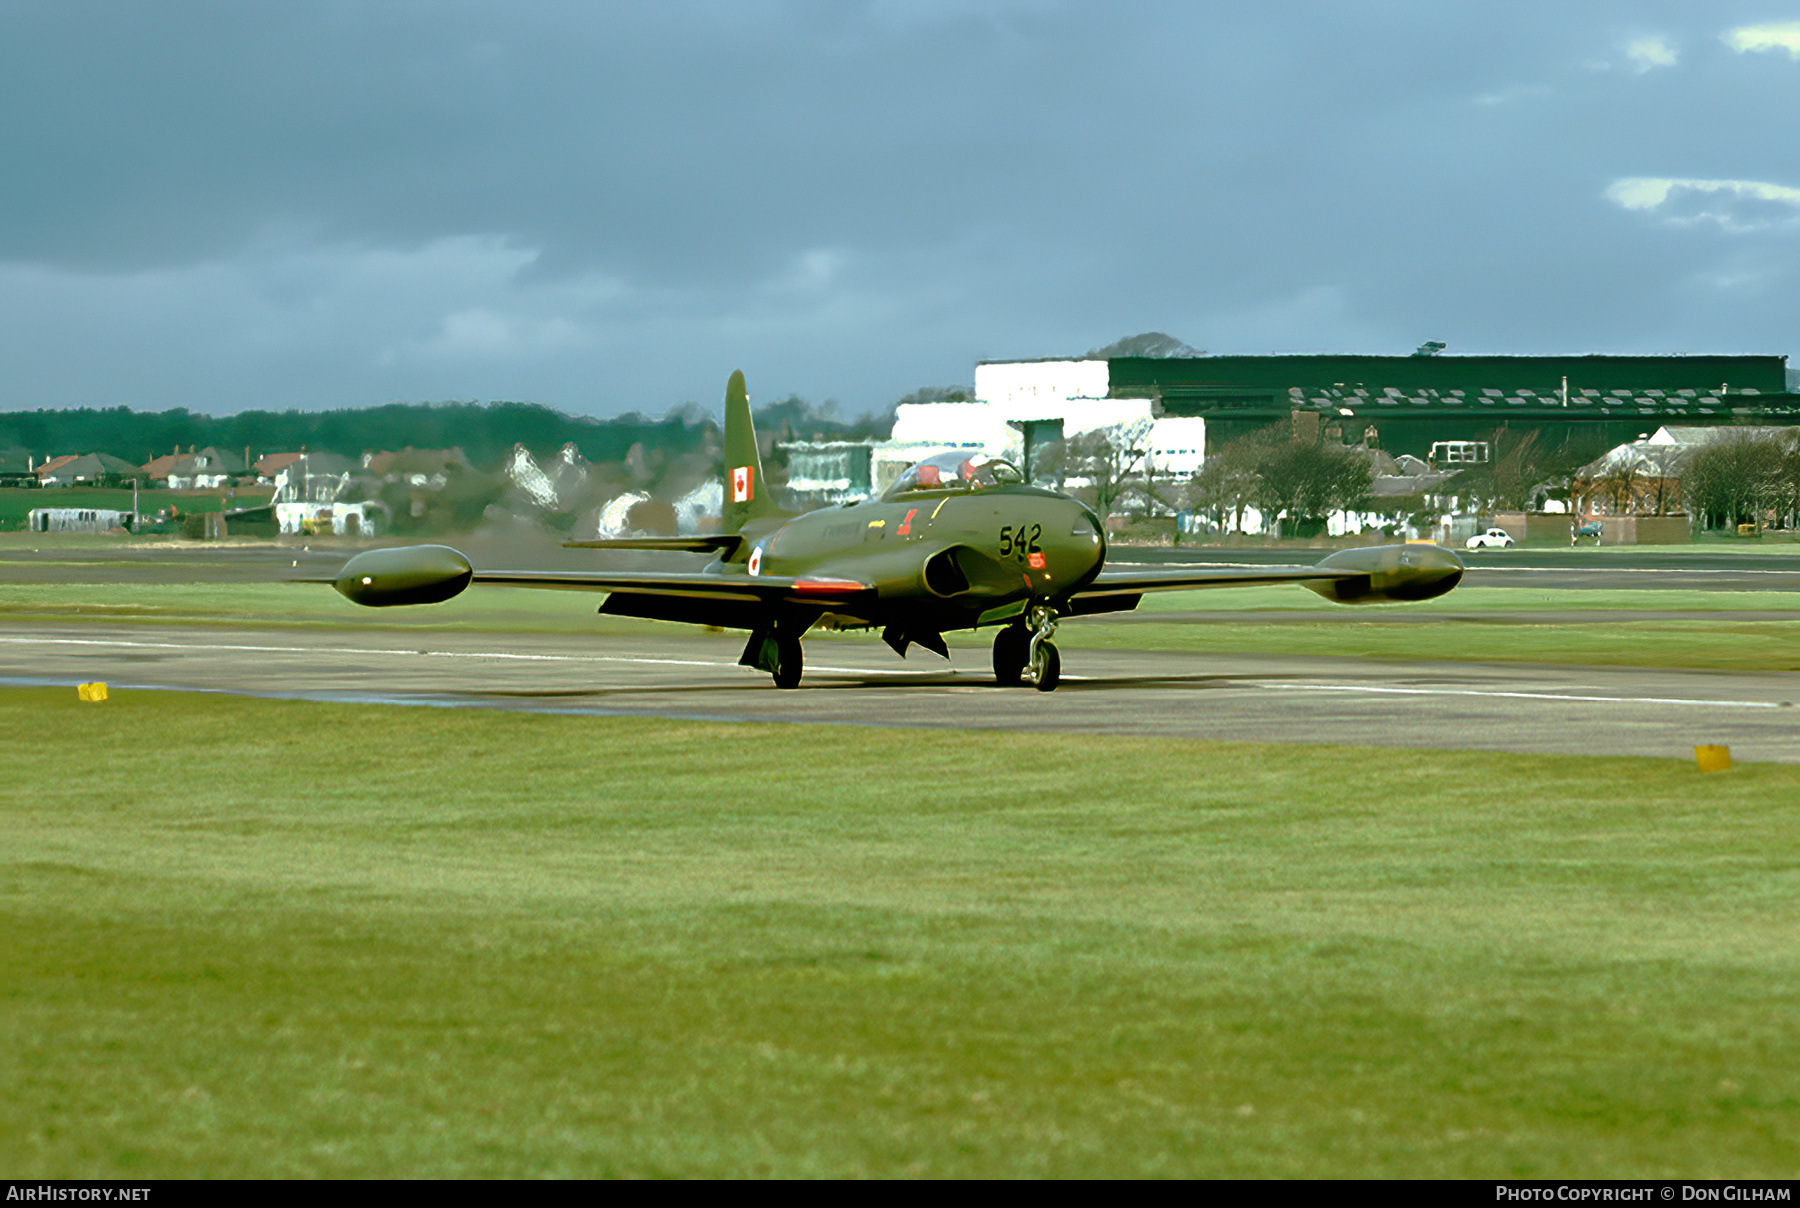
[(1662, 489), (1307, 482), (1225, 486), (1734, 478), (1111, 459), (1231, 480), (1281, 475), (1621, 484), (1788, 480)]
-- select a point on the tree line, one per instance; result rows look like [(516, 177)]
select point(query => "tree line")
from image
[(485, 432), (1738, 477), (1292, 479), (1295, 480)]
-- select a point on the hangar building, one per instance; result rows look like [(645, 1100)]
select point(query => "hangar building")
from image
[(1402, 404)]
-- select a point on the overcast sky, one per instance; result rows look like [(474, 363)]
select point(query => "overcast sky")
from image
[(608, 207)]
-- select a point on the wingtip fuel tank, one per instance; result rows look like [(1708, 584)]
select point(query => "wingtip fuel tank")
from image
[(1390, 574), (411, 574)]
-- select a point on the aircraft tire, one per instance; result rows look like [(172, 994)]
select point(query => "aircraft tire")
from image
[(788, 661), (1010, 646), (1052, 671)]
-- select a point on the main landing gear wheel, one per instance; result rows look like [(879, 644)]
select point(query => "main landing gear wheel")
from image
[(1012, 648), (787, 661)]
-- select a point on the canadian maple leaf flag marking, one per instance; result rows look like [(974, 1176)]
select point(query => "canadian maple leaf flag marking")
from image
[(743, 485)]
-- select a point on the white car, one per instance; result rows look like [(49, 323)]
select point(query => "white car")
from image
[(1492, 539)]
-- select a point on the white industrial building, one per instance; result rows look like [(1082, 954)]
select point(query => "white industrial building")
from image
[(78, 520), (1040, 401)]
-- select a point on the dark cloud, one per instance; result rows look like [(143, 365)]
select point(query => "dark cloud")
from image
[(608, 207)]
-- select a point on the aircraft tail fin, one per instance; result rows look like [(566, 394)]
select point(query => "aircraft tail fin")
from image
[(747, 496)]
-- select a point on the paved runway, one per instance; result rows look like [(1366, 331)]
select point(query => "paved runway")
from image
[(1510, 707)]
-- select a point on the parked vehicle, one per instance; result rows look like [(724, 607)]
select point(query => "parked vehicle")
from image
[(1494, 538)]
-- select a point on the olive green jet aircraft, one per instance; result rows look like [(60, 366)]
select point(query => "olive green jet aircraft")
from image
[(959, 541)]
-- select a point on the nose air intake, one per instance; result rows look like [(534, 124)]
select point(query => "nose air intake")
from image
[(943, 576), (960, 571)]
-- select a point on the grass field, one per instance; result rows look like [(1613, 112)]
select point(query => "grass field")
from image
[(257, 938)]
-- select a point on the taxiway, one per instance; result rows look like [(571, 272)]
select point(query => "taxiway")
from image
[(683, 674)]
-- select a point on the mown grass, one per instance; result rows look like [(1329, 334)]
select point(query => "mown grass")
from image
[(265, 938)]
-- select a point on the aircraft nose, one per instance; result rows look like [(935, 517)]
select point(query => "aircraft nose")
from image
[(1087, 536)]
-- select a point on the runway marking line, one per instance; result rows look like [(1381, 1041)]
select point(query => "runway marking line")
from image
[(1515, 695), (438, 654)]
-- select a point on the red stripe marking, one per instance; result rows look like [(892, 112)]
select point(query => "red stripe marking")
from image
[(828, 586)]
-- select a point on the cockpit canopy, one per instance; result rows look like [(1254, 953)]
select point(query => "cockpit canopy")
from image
[(955, 470)]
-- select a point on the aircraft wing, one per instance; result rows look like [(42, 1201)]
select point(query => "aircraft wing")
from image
[(427, 574), (1137, 582), (717, 543), (1378, 574), (746, 588)]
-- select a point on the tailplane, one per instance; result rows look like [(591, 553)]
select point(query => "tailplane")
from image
[(747, 496)]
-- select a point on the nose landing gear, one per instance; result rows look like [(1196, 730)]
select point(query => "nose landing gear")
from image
[(1023, 652), (1043, 663)]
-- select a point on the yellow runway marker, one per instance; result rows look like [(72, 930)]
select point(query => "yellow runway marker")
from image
[(1713, 759)]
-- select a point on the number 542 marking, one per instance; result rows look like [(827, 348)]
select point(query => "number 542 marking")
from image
[(1021, 541)]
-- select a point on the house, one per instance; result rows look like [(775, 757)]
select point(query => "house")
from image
[(88, 467), (156, 471), (203, 471), (1644, 475), (269, 465), (51, 465)]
